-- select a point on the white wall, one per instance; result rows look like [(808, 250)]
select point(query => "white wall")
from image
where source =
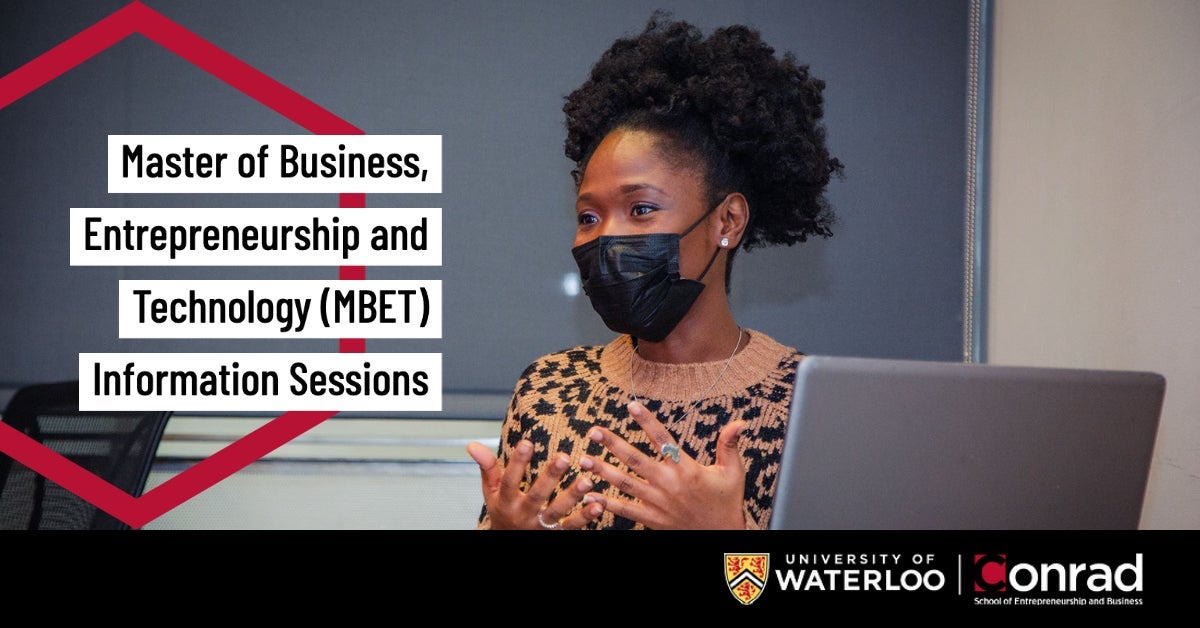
[(1095, 207)]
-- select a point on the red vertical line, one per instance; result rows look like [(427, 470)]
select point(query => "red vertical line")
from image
[(352, 345)]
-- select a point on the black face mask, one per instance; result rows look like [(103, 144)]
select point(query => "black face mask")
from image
[(634, 284)]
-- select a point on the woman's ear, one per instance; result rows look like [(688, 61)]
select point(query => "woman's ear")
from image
[(733, 215)]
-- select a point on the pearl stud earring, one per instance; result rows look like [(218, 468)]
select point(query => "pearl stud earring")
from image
[(724, 242)]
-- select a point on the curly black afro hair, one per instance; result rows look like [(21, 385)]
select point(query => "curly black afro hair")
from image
[(750, 121)]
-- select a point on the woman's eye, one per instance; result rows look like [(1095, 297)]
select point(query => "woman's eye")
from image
[(641, 209), (588, 219)]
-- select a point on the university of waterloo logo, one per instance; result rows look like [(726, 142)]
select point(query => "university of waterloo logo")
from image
[(746, 575)]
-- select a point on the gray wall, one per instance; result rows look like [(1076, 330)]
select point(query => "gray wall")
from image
[(490, 77)]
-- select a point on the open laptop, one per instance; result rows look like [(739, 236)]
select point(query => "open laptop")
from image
[(912, 445)]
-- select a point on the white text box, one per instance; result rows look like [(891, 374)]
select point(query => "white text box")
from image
[(255, 236), (250, 382), (275, 164), (382, 308)]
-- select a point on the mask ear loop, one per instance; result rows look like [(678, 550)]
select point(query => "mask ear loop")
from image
[(710, 263), (700, 220), (716, 252)]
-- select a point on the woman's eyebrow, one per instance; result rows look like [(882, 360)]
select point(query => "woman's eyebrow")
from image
[(634, 187), (625, 189)]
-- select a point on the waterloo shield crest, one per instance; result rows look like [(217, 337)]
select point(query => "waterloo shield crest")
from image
[(746, 575)]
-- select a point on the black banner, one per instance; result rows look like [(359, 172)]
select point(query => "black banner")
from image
[(743, 574)]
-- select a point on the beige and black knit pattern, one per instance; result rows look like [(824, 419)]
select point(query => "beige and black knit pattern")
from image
[(562, 395)]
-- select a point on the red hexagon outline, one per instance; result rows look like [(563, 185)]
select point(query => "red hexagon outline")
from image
[(139, 18)]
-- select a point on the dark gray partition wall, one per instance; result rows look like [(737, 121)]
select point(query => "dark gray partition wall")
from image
[(490, 78)]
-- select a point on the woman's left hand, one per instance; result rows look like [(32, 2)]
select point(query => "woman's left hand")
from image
[(668, 494)]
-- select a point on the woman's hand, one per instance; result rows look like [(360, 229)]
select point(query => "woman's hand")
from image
[(669, 494), (510, 509)]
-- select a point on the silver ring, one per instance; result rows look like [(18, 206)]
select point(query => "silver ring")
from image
[(671, 451), (549, 526)]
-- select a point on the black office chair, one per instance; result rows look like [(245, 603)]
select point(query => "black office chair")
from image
[(119, 447)]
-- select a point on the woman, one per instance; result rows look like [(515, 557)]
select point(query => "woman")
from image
[(686, 148)]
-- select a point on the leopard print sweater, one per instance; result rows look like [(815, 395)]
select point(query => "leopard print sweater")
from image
[(560, 396)]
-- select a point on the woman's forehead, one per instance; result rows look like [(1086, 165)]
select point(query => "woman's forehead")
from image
[(632, 160)]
